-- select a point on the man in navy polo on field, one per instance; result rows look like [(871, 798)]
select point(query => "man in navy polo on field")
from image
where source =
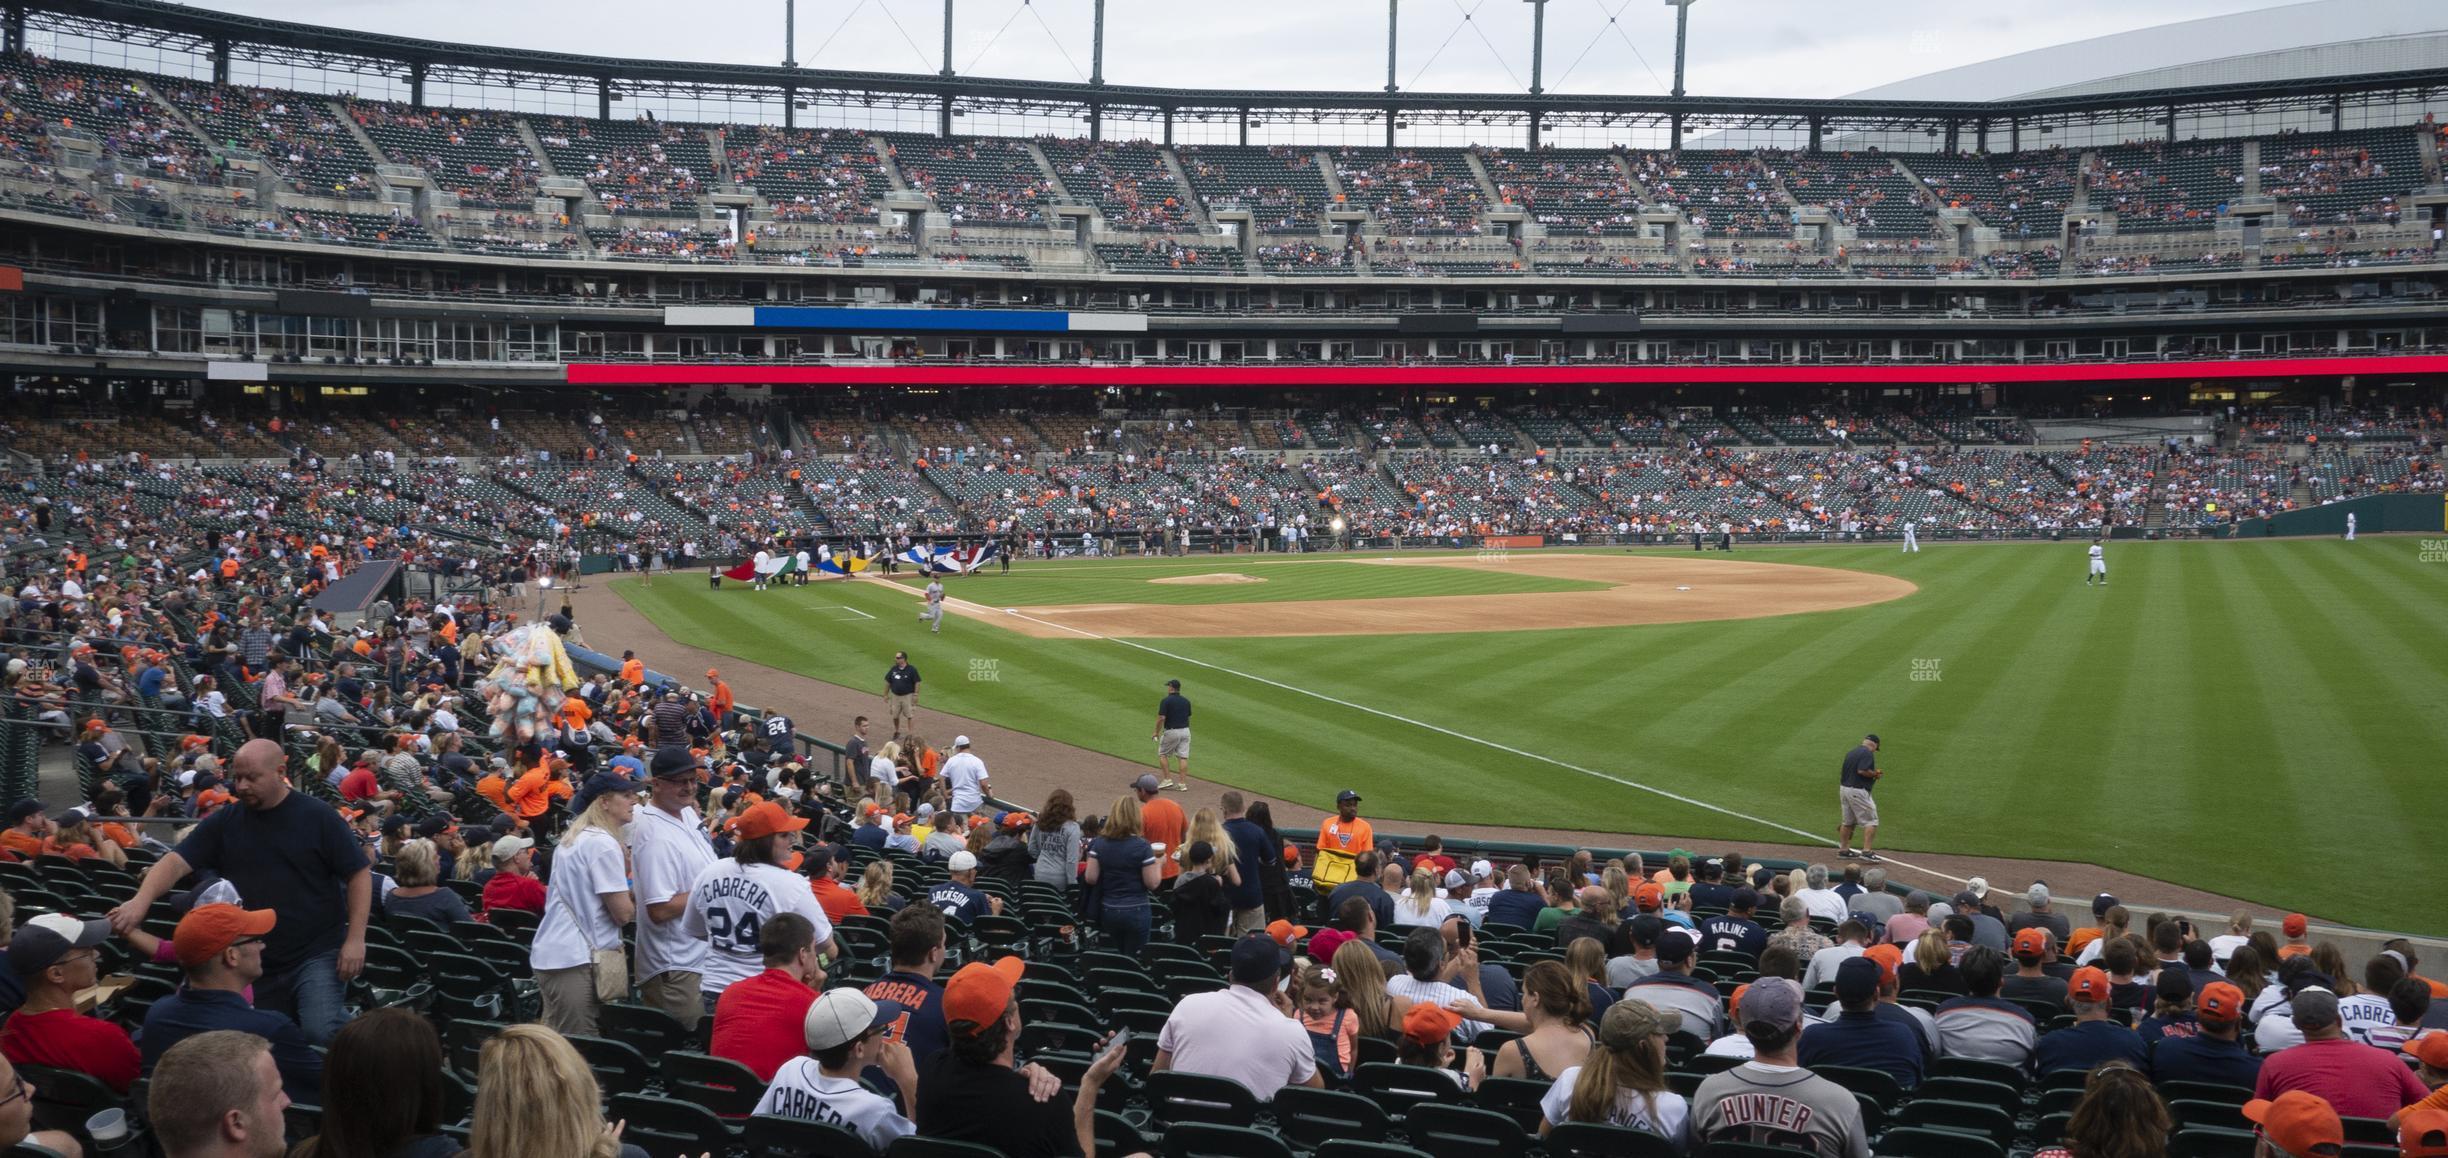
[(1861, 773)]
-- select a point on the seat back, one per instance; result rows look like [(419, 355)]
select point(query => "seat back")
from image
[(1209, 1140), (767, 1136), (1397, 1088), (1175, 1097), (717, 1083), (1310, 1117), (1446, 1131), (668, 1127), (1594, 1140)]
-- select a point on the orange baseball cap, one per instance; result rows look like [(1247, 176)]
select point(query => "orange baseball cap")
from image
[(979, 993), (765, 819), (1889, 959), (2032, 942), (2220, 1001), (206, 930), (1286, 933), (1429, 1024), (2298, 1122), (2423, 1133), (2090, 983), (1650, 896), (1734, 1001), (2430, 1049), (2294, 925)]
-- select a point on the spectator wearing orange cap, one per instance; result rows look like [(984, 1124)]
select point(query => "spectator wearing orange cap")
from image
[(2422, 1133), (221, 949), (735, 895), (1427, 1040), (2295, 926), (2215, 1052), (719, 700), (2296, 1125), (971, 1092), (2093, 1038), (2430, 1053), (1243, 1031), (2358, 1080), (2034, 951)]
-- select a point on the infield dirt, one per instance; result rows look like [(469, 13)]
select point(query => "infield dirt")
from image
[(1643, 589)]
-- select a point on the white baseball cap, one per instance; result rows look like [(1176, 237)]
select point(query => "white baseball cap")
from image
[(1978, 887), (1482, 870), (962, 861), (840, 1017), (960, 741)]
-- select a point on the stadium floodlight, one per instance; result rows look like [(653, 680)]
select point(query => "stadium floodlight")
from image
[(1682, 25)]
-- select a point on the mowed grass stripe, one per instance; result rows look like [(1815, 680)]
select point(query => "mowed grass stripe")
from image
[(1282, 583), (2214, 759)]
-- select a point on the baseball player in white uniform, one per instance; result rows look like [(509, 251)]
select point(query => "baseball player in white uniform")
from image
[(934, 607), (2099, 565), (2350, 526), (1912, 541)]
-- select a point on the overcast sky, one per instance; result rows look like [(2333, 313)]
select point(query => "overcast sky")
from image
[(1792, 48)]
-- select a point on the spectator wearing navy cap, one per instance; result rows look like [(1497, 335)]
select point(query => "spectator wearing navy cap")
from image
[(1673, 989), (587, 902), (1858, 1036), (1244, 1032), (668, 849)]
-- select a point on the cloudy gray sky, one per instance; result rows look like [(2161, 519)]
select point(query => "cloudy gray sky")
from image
[(1794, 48)]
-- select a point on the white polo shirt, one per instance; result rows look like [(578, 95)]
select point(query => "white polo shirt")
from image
[(666, 853), (1237, 1033), (966, 776)]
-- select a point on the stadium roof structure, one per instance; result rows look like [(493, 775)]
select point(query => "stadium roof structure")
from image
[(221, 36)]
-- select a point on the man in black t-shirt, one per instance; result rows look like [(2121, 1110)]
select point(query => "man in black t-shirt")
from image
[(1855, 807), (1736, 931), (901, 694), (290, 853), (971, 1093)]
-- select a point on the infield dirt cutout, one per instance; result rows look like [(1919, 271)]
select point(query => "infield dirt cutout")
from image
[(1220, 578), (1643, 589)]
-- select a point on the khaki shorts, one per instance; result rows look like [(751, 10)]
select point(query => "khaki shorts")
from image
[(1174, 742), (1857, 806), (900, 707), (569, 998), (675, 992)]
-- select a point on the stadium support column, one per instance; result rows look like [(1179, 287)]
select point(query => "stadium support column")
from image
[(790, 106), (1393, 12), (1245, 128), (15, 29), (1096, 79), (416, 84), (1682, 29), (947, 64), (603, 98), (220, 60), (790, 34), (1538, 59), (943, 118), (1818, 128), (2171, 124), (1168, 114)]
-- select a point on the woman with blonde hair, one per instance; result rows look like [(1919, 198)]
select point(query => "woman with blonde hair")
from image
[(1121, 875), (1206, 826), (1363, 982), (585, 905), (1623, 1083), (1931, 965), (1559, 1036), (1586, 959), (875, 888), (417, 870), (536, 1096), (1420, 905), (1618, 881)]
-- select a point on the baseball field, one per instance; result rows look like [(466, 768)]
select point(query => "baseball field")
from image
[(2261, 718)]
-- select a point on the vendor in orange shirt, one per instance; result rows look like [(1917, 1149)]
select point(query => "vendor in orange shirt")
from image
[(1341, 839)]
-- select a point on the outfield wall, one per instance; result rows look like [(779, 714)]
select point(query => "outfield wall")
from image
[(2414, 514)]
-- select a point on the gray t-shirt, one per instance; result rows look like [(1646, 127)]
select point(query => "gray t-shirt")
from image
[(1779, 1106)]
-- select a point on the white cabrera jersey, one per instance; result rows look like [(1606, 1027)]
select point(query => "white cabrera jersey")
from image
[(801, 1091), (730, 904)]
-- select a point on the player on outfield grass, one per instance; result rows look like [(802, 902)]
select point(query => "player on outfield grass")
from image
[(2099, 565), (934, 605), (1855, 806)]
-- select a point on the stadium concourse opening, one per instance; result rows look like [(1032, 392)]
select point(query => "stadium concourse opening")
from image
[(1644, 589)]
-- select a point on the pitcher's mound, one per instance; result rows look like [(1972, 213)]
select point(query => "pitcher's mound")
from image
[(1208, 580)]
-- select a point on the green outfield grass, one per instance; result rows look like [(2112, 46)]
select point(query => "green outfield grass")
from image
[(2258, 718), (1286, 578)]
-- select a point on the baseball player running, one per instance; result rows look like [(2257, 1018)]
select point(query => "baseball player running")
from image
[(934, 607), (2099, 565)]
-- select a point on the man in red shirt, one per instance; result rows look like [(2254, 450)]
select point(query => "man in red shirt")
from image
[(826, 863), (1163, 825), (760, 1022), (513, 884), (360, 784), (53, 956), (2358, 1080)]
